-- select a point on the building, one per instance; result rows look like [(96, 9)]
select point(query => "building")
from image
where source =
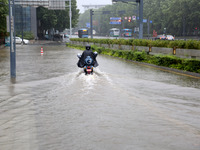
[(25, 13), (25, 20)]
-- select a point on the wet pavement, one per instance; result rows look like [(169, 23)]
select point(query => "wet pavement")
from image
[(52, 105)]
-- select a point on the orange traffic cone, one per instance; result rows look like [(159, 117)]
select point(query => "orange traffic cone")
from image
[(41, 50)]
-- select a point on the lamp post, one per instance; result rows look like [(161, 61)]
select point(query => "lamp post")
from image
[(91, 25), (70, 16), (141, 19)]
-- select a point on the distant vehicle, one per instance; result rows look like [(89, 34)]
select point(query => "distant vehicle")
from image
[(160, 37), (18, 40), (170, 37), (114, 32), (83, 33), (126, 32)]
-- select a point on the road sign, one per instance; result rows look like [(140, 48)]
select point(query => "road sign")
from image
[(137, 1), (88, 25), (8, 25), (115, 20), (50, 4), (133, 17), (137, 29), (12, 24), (144, 20), (35, 3), (57, 4)]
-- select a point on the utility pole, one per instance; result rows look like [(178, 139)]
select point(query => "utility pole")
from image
[(148, 27), (12, 43), (141, 19), (70, 16), (91, 25)]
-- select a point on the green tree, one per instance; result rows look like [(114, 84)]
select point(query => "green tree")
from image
[(3, 14), (179, 17), (57, 19)]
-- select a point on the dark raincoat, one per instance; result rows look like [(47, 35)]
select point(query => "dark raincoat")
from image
[(81, 62)]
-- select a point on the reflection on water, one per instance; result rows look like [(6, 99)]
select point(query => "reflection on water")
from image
[(53, 105)]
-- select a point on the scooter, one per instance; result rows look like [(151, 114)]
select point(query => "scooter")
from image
[(88, 67)]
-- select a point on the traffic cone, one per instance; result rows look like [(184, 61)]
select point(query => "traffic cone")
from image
[(41, 50)]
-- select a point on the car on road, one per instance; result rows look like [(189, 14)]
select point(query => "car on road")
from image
[(160, 37), (170, 37), (18, 40)]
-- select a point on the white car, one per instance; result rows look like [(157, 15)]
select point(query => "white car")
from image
[(19, 40), (170, 37)]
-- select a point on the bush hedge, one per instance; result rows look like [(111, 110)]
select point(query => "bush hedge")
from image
[(160, 60), (190, 44)]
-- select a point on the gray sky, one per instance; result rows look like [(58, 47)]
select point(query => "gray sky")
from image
[(92, 2)]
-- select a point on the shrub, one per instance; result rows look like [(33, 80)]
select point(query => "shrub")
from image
[(161, 60), (191, 44), (191, 65)]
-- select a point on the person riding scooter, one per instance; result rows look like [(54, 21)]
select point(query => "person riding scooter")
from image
[(87, 52)]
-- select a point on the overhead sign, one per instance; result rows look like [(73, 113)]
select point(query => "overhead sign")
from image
[(144, 20), (34, 3), (115, 20), (88, 24), (137, 1), (137, 29), (50, 4), (57, 4)]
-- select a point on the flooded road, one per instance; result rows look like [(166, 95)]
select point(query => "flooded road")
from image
[(52, 105)]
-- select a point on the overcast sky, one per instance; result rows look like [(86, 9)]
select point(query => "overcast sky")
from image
[(91, 2)]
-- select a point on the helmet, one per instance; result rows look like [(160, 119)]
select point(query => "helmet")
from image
[(87, 47)]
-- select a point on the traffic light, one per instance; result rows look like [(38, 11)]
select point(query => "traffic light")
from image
[(129, 20), (91, 12)]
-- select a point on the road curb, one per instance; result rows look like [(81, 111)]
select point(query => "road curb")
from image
[(172, 70)]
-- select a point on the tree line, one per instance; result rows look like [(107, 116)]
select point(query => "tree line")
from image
[(3, 14), (57, 19), (176, 17)]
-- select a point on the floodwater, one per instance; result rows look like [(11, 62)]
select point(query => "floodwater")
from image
[(52, 105)]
